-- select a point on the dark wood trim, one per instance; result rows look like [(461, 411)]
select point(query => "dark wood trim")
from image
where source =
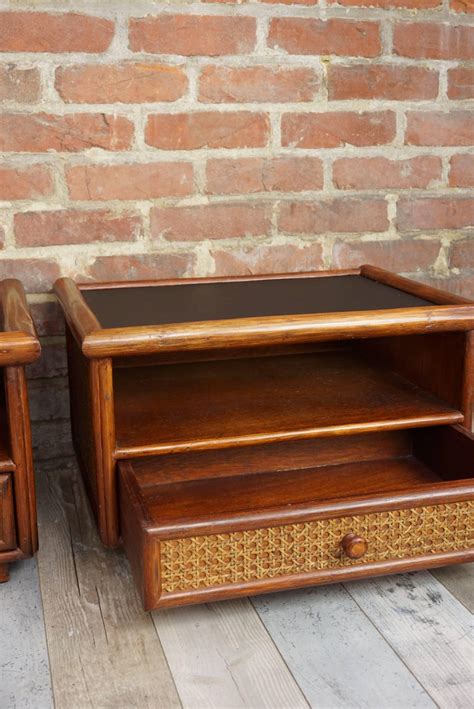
[(79, 316), (18, 348), (7, 514), (20, 443), (16, 314), (127, 452), (253, 332), (435, 295), (18, 341), (13, 555), (217, 279), (101, 382), (437, 494)]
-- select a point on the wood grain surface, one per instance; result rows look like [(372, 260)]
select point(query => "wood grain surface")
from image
[(241, 402), (104, 650)]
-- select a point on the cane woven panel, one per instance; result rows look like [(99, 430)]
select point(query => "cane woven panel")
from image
[(221, 559)]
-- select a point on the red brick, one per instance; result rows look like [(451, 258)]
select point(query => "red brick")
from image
[(39, 132), (409, 4), (336, 129), (130, 181), (220, 84), (338, 215), (141, 267), (461, 82), (211, 221), (462, 5), (304, 35), (247, 175), (461, 173), (25, 182), (392, 82), (462, 254), (44, 32), (382, 173), (20, 85), (191, 35), (428, 40), (208, 129), (284, 2), (73, 227), (37, 275), (121, 83), (269, 2), (439, 213), (284, 258), (438, 128), (398, 255)]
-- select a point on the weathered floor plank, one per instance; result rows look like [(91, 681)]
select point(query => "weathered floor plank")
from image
[(222, 657), (428, 628), (334, 652), (24, 669), (459, 580), (104, 650)]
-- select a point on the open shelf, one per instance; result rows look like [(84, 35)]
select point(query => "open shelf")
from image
[(173, 504), (203, 405)]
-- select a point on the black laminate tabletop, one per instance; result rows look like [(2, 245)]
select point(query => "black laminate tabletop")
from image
[(193, 302)]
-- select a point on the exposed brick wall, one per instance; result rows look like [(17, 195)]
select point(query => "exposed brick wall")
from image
[(147, 138)]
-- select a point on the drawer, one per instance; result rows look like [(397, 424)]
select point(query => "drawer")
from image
[(7, 517), (194, 539)]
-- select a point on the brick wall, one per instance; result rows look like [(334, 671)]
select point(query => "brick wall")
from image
[(145, 138)]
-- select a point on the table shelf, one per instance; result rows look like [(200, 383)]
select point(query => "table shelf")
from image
[(205, 405)]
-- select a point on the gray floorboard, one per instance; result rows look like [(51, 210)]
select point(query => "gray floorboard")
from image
[(25, 681)]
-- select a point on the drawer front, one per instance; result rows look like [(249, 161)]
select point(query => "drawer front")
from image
[(7, 517), (221, 559)]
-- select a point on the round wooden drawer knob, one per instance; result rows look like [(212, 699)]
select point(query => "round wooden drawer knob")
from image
[(353, 546)]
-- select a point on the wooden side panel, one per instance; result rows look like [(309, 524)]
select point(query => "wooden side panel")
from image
[(21, 451), (435, 362), (448, 450), (468, 384), (7, 514), (141, 547), (80, 396), (91, 397)]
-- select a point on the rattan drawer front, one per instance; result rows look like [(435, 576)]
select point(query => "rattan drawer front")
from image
[(221, 559), (7, 519)]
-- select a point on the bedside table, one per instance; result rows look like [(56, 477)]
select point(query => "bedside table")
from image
[(19, 346), (246, 435)]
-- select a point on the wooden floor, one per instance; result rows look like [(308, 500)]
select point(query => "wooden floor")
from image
[(391, 643)]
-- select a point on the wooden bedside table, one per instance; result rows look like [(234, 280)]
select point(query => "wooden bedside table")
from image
[(246, 435), (18, 346)]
